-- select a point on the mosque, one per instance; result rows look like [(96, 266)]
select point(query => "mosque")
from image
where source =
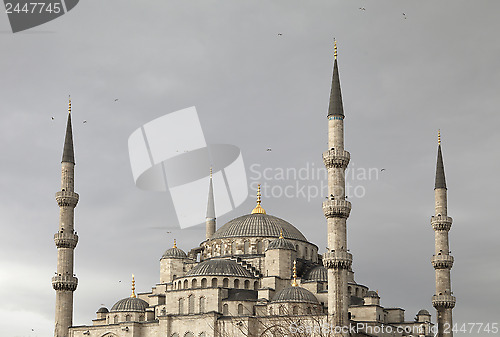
[(257, 275)]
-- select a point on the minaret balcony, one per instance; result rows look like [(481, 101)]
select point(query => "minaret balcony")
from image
[(67, 198), (443, 301), (336, 158), (64, 282), (65, 240), (442, 261), (336, 208), (441, 222), (337, 259)]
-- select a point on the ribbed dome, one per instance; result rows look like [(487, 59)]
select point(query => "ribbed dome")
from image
[(423, 312), (372, 293), (219, 267), (318, 273), (130, 304), (258, 224), (280, 243), (174, 253), (295, 294)]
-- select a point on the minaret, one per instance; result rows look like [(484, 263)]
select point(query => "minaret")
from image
[(65, 282), (337, 260), (210, 218), (442, 261)]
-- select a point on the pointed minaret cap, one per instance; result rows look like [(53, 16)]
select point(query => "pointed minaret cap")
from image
[(294, 282), (175, 244), (258, 209), (211, 203), (68, 154), (440, 178), (133, 287), (336, 107)]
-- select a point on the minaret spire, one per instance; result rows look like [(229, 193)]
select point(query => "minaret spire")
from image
[(442, 261), (65, 282), (210, 218), (337, 260)]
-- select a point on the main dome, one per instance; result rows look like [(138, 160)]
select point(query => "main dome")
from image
[(258, 224), (130, 304)]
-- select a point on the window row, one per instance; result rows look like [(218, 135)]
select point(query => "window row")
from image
[(247, 284)]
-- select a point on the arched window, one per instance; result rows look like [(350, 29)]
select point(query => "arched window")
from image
[(190, 304), (236, 283), (141, 318), (181, 306), (256, 285), (194, 283), (225, 282), (233, 247), (308, 310), (349, 290), (214, 282), (185, 284), (356, 291), (281, 310), (246, 247), (127, 318), (115, 319), (240, 309), (295, 310), (175, 334), (202, 304), (247, 284), (222, 249), (214, 249), (203, 282), (225, 310), (260, 249), (306, 253)]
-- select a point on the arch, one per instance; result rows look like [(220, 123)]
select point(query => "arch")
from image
[(175, 334), (191, 304), (247, 284), (233, 247), (236, 283), (202, 304), (225, 309), (203, 282), (356, 291), (214, 282), (181, 306), (240, 309), (186, 284), (194, 283), (128, 318), (141, 318), (246, 247), (225, 282), (189, 334), (214, 249), (306, 253), (295, 310), (260, 248), (256, 285), (349, 290), (222, 249), (115, 319), (309, 310), (282, 310)]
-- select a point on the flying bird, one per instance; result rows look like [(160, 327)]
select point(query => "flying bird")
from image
[(362, 8), (269, 150), (84, 122), (404, 15), (382, 170), (279, 34), (116, 99), (52, 118)]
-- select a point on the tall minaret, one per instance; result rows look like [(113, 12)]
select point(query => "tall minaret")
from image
[(442, 261), (210, 218), (64, 283), (337, 260)]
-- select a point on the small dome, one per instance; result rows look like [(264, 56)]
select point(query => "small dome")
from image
[(424, 312), (102, 310), (130, 304), (316, 274), (219, 267), (372, 293), (280, 243), (295, 294), (174, 253)]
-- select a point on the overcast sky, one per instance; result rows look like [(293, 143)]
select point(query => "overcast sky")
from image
[(402, 78)]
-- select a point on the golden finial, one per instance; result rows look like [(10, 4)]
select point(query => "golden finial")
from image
[(281, 234), (133, 286), (439, 137), (210, 171), (69, 104), (294, 282), (335, 48), (258, 209), (175, 244)]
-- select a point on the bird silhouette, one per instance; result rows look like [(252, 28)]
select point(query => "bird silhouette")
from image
[(84, 122), (269, 150), (52, 118), (116, 99), (279, 34), (362, 8), (382, 170)]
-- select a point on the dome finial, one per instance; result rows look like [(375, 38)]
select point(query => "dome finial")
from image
[(281, 234), (439, 137), (69, 104), (133, 286), (175, 244), (258, 209), (335, 48), (294, 282)]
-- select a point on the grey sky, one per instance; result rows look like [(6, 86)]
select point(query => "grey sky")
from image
[(401, 79)]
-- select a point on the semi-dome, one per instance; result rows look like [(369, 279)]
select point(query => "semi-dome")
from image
[(281, 243), (219, 267), (258, 224), (295, 294), (102, 310), (317, 273), (372, 293), (174, 253), (424, 312), (130, 304)]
